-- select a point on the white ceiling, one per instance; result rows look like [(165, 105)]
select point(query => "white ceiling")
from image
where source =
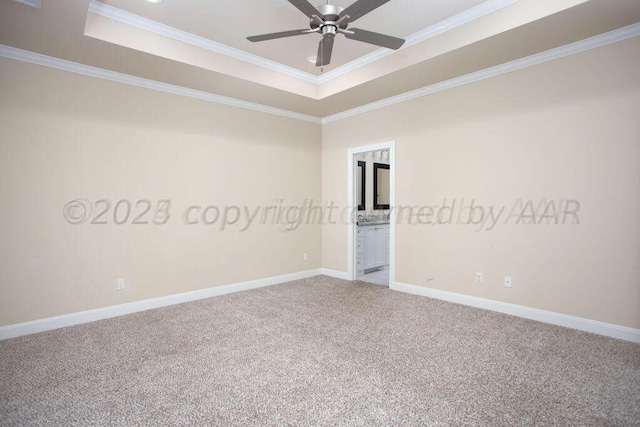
[(201, 44)]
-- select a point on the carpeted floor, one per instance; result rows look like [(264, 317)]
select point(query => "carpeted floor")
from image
[(319, 351)]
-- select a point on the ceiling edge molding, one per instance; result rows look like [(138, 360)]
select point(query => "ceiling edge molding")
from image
[(448, 24), (462, 18), (137, 21), (529, 61), (33, 3), (611, 37), (87, 70)]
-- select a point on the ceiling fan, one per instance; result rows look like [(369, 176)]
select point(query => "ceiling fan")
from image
[(330, 20)]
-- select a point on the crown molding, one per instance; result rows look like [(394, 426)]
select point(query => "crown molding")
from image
[(529, 61), (137, 21), (448, 24), (87, 70), (458, 20), (540, 58), (33, 3)]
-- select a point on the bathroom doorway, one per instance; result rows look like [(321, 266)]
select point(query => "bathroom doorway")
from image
[(372, 198)]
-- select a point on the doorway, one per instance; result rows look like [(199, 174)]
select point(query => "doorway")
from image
[(371, 232)]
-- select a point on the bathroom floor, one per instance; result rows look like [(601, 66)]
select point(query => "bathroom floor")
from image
[(379, 277)]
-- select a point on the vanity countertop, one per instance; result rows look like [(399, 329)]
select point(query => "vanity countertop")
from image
[(367, 224)]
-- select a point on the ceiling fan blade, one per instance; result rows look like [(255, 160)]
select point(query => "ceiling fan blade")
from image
[(305, 7), (279, 35), (325, 48), (374, 38), (361, 8)]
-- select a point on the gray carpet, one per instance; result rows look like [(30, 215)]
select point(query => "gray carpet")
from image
[(319, 351)]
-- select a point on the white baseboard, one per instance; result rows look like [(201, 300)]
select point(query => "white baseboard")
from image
[(42, 325), (334, 273), (587, 325)]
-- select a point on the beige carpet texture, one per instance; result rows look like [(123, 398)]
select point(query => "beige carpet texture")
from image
[(318, 352)]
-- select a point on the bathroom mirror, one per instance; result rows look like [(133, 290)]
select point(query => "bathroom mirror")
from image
[(381, 186), (361, 184)]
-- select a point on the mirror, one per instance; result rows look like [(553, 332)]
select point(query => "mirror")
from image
[(381, 186), (361, 184)]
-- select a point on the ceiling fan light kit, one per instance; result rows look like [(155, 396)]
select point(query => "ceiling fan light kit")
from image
[(330, 20)]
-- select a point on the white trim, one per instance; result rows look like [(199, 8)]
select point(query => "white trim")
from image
[(351, 204), (87, 70), (587, 325), (137, 21), (335, 273), (540, 58), (458, 20), (508, 67), (579, 323), (63, 321), (392, 213), (33, 3), (448, 24)]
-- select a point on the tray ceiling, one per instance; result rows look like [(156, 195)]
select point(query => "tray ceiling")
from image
[(201, 44)]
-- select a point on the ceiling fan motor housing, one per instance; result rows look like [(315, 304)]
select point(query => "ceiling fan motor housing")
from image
[(329, 13)]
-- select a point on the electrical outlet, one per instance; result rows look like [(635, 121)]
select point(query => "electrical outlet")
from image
[(478, 277), (120, 284), (305, 256), (507, 281)]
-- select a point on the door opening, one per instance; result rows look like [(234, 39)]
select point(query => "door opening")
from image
[(372, 197)]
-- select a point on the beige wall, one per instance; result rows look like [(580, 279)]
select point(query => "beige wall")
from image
[(566, 129), (65, 136)]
